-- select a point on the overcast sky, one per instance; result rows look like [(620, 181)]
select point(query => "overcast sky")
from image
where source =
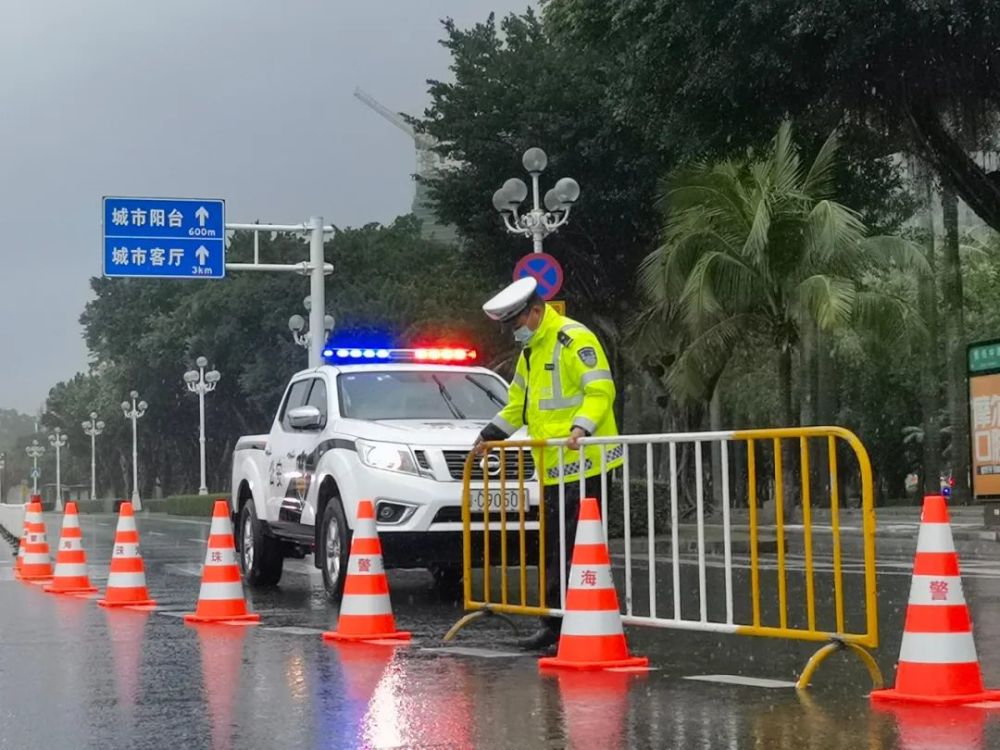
[(246, 100)]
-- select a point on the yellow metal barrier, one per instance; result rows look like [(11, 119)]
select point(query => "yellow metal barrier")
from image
[(518, 522)]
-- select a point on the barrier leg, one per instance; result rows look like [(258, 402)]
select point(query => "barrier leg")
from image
[(838, 645), (477, 615)]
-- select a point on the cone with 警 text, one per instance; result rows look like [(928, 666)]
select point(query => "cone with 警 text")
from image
[(221, 597), (71, 561), (36, 566), (365, 609), (127, 578), (938, 663), (592, 635)]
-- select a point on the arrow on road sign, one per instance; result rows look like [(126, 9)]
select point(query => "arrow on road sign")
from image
[(202, 216), (35, 473), (202, 254)]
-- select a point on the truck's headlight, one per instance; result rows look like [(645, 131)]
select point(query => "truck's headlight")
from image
[(387, 456)]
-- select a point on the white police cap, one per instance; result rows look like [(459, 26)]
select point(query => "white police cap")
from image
[(511, 301)]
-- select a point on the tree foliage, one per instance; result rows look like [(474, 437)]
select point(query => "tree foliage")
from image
[(144, 335)]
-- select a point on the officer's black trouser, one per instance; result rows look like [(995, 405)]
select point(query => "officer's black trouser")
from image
[(593, 489)]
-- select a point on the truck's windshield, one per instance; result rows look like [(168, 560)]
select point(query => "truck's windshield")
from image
[(410, 394)]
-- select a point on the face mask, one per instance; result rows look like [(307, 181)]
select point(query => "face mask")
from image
[(523, 335)]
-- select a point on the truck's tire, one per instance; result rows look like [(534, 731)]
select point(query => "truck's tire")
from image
[(335, 548), (261, 557)]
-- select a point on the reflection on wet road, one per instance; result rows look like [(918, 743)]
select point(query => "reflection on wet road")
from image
[(75, 675)]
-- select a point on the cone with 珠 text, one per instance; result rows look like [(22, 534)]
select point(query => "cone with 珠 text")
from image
[(221, 597), (365, 609), (592, 635), (70, 576), (937, 658), (36, 565), (127, 577)]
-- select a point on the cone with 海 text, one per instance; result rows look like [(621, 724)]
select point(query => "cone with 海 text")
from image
[(592, 635), (221, 597), (36, 565), (937, 659), (365, 609), (127, 578), (71, 561)]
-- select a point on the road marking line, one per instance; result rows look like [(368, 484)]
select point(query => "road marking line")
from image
[(192, 539), (156, 533), (735, 679)]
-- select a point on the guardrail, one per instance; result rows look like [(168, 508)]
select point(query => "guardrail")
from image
[(743, 590), (12, 519)]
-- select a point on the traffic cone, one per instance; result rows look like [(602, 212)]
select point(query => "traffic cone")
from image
[(37, 565), (71, 560), (937, 659), (127, 577), (221, 598), (365, 609), (592, 635)]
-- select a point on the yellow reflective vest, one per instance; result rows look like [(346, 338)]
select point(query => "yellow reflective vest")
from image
[(562, 381)]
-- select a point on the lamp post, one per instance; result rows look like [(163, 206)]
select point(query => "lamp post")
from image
[(3, 465), (58, 440), (35, 452), (536, 223), (297, 325), (93, 427), (134, 411), (201, 382)]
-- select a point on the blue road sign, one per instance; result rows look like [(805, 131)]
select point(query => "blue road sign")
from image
[(165, 238), (545, 269)]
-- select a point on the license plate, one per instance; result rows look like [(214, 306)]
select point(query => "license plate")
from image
[(511, 500)]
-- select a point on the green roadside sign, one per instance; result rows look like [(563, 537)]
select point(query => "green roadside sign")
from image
[(984, 356)]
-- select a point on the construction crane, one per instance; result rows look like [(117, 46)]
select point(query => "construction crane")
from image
[(428, 164)]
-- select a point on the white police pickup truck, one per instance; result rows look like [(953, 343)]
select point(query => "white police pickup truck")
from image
[(393, 426)]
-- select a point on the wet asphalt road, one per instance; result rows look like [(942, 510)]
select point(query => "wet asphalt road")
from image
[(75, 675)]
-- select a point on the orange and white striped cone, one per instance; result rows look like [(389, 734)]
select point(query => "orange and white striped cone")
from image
[(365, 609), (37, 565), (937, 659), (71, 559), (221, 597), (592, 635), (127, 577)]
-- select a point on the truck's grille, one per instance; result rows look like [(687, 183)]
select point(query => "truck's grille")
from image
[(456, 465)]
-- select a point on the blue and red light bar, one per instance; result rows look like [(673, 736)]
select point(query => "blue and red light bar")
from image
[(429, 355)]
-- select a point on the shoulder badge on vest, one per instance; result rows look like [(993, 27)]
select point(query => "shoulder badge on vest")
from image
[(588, 355), (564, 338)]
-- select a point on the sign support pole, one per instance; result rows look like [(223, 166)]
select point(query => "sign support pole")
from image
[(317, 293)]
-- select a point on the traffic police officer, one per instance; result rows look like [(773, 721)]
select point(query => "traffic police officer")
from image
[(562, 389)]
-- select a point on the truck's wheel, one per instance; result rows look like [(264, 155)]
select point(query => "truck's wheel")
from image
[(261, 557), (335, 549)]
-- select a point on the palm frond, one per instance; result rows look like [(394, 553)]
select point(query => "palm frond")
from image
[(818, 182), (829, 300)]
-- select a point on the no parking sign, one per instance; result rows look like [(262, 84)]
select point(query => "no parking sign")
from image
[(545, 270)]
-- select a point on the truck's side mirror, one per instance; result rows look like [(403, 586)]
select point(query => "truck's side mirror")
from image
[(305, 418)]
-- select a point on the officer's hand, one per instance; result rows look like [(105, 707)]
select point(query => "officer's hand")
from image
[(478, 448), (574, 438)]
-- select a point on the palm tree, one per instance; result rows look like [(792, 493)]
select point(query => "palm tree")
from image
[(759, 246)]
